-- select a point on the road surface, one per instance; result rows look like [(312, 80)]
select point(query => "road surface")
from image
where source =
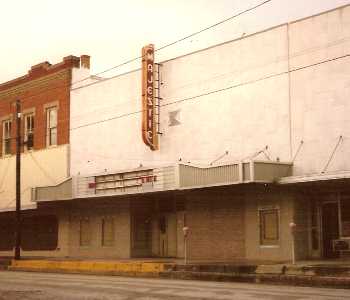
[(45, 286)]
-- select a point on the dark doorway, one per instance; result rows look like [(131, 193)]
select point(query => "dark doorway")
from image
[(141, 235), (330, 228), (39, 233)]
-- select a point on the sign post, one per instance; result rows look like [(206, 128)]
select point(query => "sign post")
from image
[(185, 231), (292, 227)]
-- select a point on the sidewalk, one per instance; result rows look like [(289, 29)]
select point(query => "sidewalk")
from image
[(334, 274), (307, 273)]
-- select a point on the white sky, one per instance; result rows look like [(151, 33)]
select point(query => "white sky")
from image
[(113, 31)]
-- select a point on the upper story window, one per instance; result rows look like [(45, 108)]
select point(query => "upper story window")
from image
[(6, 137), (29, 131), (51, 126)]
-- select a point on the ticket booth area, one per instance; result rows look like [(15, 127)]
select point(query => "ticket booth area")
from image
[(156, 228)]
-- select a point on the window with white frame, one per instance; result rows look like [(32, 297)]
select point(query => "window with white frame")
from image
[(269, 226), (29, 130), (6, 137), (51, 126)]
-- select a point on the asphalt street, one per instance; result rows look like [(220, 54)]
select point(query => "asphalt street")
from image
[(29, 286)]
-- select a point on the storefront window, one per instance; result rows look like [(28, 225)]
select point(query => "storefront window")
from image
[(39, 233), (7, 233)]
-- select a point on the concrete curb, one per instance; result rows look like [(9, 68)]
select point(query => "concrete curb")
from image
[(302, 276), (295, 280), (89, 267)]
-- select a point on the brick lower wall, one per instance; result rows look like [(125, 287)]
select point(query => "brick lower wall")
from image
[(216, 222), (120, 212)]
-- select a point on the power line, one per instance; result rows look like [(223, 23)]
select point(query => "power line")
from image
[(211, 79), (106, 79), (13, 200), (332, 154), (204, 94), (42, 169), (180, 40), (214, 25), (215, 91), (161, 48)]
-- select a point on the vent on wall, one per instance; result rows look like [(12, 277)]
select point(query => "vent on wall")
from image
[(174, 118)]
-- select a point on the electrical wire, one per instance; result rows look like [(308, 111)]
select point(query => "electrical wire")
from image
[(215, 91), (13, 200), (211, 79), (42, 169), (26, 189), (332, 154), (136, 58), (181, 39), (207, 93), (113, 77)]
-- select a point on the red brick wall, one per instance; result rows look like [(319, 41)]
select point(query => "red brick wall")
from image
[(44, 84), (216, 222)]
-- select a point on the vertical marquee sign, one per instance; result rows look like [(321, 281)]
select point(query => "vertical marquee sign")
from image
[(149, 126)]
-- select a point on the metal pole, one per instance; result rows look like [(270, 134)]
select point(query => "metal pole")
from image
[(292, 227), (18, 181), (185, 258), (185, 230), (293, 251)]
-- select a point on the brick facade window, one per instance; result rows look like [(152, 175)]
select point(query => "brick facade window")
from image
[(29, 131), (51, 126), (269, 226), (6, 137), (107, 232)]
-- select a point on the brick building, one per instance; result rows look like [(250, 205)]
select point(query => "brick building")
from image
[(44, 94)]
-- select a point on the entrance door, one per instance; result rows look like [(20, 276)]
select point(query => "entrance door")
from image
[(141, 236), (167, 235), (330, 228)]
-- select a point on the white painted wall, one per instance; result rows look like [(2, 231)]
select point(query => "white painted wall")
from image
[(241, 120), (321, 94), (39, 168)]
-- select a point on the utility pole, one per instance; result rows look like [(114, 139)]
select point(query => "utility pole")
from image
[(18, 181)]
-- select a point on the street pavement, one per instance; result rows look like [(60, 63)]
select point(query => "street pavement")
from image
[(49, 286)]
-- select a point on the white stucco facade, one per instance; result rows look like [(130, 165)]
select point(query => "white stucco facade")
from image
[(44, 167), (280, 88)]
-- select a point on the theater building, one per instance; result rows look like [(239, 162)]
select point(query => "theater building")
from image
[(236, 143)]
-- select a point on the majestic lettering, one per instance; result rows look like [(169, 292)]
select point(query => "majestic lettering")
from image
[(149, 128)]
